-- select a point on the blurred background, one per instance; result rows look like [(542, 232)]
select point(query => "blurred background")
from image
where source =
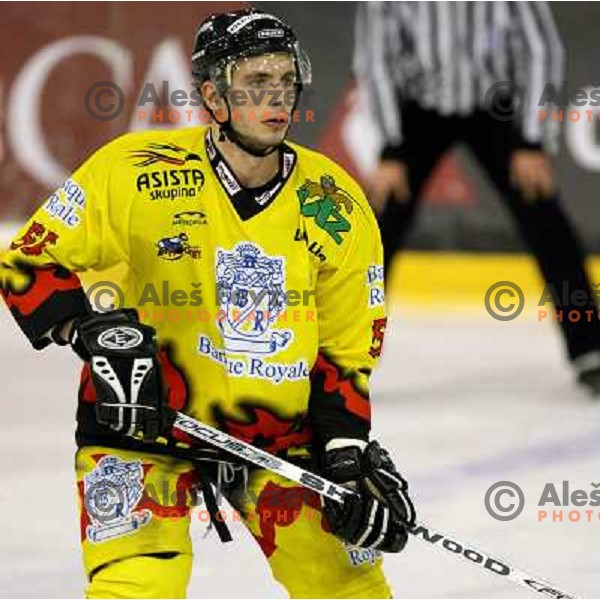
[(53, 58), (463, 400), (57, 52)]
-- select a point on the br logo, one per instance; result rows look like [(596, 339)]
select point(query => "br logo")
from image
[(251, 289)]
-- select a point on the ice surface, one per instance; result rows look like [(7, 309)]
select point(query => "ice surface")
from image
[(462, 403)]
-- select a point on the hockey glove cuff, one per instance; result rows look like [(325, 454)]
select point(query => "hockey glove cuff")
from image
[(125, 372)]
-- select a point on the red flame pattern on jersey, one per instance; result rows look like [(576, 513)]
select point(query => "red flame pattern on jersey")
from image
[(45, 281), (175, 506), (336, 383), (280, 506), (268, 431)]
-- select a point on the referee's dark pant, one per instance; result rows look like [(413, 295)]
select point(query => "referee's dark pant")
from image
[(543, 225)]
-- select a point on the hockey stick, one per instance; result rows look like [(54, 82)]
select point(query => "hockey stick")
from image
[(263, 459)]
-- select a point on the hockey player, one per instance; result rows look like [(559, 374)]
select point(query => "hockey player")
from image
[(235, 211)]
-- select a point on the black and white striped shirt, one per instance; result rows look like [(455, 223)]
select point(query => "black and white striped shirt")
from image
[(445, 56)]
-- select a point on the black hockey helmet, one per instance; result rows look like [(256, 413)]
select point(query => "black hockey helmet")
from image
[(224, 38)]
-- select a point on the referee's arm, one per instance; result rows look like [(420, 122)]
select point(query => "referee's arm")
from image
[(373, 49), (538, 59)]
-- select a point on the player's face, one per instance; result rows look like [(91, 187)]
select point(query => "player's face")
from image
[(261, 97)]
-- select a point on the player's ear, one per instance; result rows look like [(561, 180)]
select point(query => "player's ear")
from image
[(213, 99)]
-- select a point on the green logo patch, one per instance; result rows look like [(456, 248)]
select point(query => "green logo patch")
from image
[(324, 202)]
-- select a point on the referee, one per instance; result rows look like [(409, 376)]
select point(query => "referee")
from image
[(432, 73)]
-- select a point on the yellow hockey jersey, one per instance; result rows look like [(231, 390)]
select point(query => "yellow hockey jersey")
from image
[(268, 303)]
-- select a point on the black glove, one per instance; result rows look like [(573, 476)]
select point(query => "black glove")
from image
[(125, 372), (378, 515)]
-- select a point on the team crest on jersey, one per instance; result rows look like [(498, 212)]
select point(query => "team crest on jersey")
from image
[(176, 247), (111, 493), (251, 291), (325, 202)]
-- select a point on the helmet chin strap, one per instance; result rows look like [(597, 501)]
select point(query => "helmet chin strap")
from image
[(227, 130)]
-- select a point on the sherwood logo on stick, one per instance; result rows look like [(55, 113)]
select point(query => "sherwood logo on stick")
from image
[(473, 555)]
